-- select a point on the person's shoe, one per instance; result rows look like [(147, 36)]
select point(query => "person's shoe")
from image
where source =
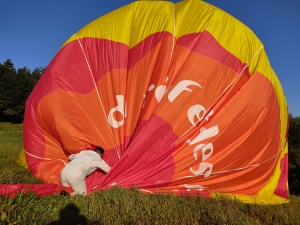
[(64, 193)]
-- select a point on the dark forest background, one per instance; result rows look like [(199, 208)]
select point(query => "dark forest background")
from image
[(16, 86)]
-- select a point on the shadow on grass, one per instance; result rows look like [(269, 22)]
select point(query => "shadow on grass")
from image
[(70, 215)]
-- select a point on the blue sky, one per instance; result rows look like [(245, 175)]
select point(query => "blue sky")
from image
[(32, 31)]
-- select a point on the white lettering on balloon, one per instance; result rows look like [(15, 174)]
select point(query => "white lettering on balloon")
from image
[(202, 168), (204, 134), (119, 108), (205, 168), (180, 87), (196, 111), (160, 92), (195, 114), (191, 186)]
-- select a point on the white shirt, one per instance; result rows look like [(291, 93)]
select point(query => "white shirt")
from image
[(88, 161)]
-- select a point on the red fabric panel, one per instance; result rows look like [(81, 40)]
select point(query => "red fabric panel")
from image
[(281, 189), (11, 190)]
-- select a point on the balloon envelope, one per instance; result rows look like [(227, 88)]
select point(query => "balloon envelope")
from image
[(181, 96)]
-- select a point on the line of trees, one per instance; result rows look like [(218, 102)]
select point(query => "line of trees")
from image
[(16, 86), (294, 154)]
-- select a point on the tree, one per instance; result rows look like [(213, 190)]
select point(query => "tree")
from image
[(6, 67), (7, 73), (15, 87), (294, 154)]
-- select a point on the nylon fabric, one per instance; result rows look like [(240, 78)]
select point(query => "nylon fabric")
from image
[(188, 98)]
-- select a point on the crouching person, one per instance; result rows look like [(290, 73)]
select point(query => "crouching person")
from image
[(80, 166)]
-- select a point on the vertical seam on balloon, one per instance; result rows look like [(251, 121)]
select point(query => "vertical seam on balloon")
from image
[(173, 46), (172, 51), (174, 32), (171, 56), (43, 158), (91, 73)]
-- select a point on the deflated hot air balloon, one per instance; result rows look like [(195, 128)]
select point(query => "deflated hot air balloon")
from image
[(181, 96)]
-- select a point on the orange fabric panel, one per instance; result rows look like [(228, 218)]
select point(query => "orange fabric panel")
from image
[(248, 122)]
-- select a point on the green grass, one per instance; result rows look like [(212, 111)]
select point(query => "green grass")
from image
[(122, 206), (10, 145)]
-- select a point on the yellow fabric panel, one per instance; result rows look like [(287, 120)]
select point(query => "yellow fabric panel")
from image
[(21, 160), (130, 24), (231, 34), (270, 200)]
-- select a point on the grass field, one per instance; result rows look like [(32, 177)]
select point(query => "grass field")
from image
[(119, 206)]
